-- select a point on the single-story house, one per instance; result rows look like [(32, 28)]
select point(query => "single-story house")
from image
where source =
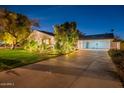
[(98, 41)]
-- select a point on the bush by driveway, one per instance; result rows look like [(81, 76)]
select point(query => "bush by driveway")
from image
[(118, 59)]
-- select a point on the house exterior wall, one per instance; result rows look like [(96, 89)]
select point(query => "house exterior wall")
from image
[(115, 45), (95, 44), (41, 37)]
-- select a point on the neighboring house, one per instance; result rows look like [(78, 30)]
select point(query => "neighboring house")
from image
[(98, 41)]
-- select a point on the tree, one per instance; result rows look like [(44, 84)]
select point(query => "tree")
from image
[(66, 36), (14, 27)]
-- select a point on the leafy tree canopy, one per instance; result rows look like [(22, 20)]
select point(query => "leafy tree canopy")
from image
[(14, 27), (66, 36)]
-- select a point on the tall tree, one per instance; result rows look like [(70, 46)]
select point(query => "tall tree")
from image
[(14, 27), (66, 36)]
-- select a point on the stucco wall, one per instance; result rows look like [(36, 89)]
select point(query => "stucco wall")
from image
[(115, 45), (40, 36)]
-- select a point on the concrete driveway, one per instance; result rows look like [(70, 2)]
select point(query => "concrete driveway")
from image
[(82, 69)]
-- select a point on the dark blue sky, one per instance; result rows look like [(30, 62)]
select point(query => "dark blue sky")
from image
[(90, 19)]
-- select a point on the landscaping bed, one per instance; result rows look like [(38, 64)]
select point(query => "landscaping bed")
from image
[(15, 58), (118, 59)]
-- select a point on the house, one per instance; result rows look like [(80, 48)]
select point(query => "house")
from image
[(98, 41)]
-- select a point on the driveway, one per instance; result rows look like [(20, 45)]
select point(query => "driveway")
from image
[(82, 69)]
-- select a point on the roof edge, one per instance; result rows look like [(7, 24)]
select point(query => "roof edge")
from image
[(45, 32)]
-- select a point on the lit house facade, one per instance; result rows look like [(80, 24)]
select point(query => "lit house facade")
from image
[(94, 42)]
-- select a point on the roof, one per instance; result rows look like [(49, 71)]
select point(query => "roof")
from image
[(46, 32), (87, 37), (98, 36)]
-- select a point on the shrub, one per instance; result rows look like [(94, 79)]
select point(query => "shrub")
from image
[(117, 56), (122, 45), (34, 46), (31, 46), (44, 48), (116, 53)]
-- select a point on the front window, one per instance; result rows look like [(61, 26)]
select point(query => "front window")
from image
[(46, 41)]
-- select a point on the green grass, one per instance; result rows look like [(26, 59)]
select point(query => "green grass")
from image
[(14, 58)]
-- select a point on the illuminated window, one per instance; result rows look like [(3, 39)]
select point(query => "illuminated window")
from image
[(46, 41)]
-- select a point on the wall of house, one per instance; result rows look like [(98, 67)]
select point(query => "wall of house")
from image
[(94, 44), (115, 45), (41, 37)]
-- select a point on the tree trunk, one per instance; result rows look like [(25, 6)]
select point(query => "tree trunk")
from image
[(5, 46), (13, 45)]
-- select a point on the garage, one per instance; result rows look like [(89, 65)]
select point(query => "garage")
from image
[(98, 41), (96, 44)]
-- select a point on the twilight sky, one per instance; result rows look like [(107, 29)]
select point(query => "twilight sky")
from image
[(90, 19)]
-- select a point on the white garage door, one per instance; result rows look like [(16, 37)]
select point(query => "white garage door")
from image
[(96, 44)]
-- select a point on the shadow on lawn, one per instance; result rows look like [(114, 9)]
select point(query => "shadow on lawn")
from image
[(6, 64), (9, 63)]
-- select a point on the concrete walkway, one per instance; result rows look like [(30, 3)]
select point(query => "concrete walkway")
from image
[(83, 69)]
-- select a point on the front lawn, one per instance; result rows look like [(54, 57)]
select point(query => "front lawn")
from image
[(14, 58)]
